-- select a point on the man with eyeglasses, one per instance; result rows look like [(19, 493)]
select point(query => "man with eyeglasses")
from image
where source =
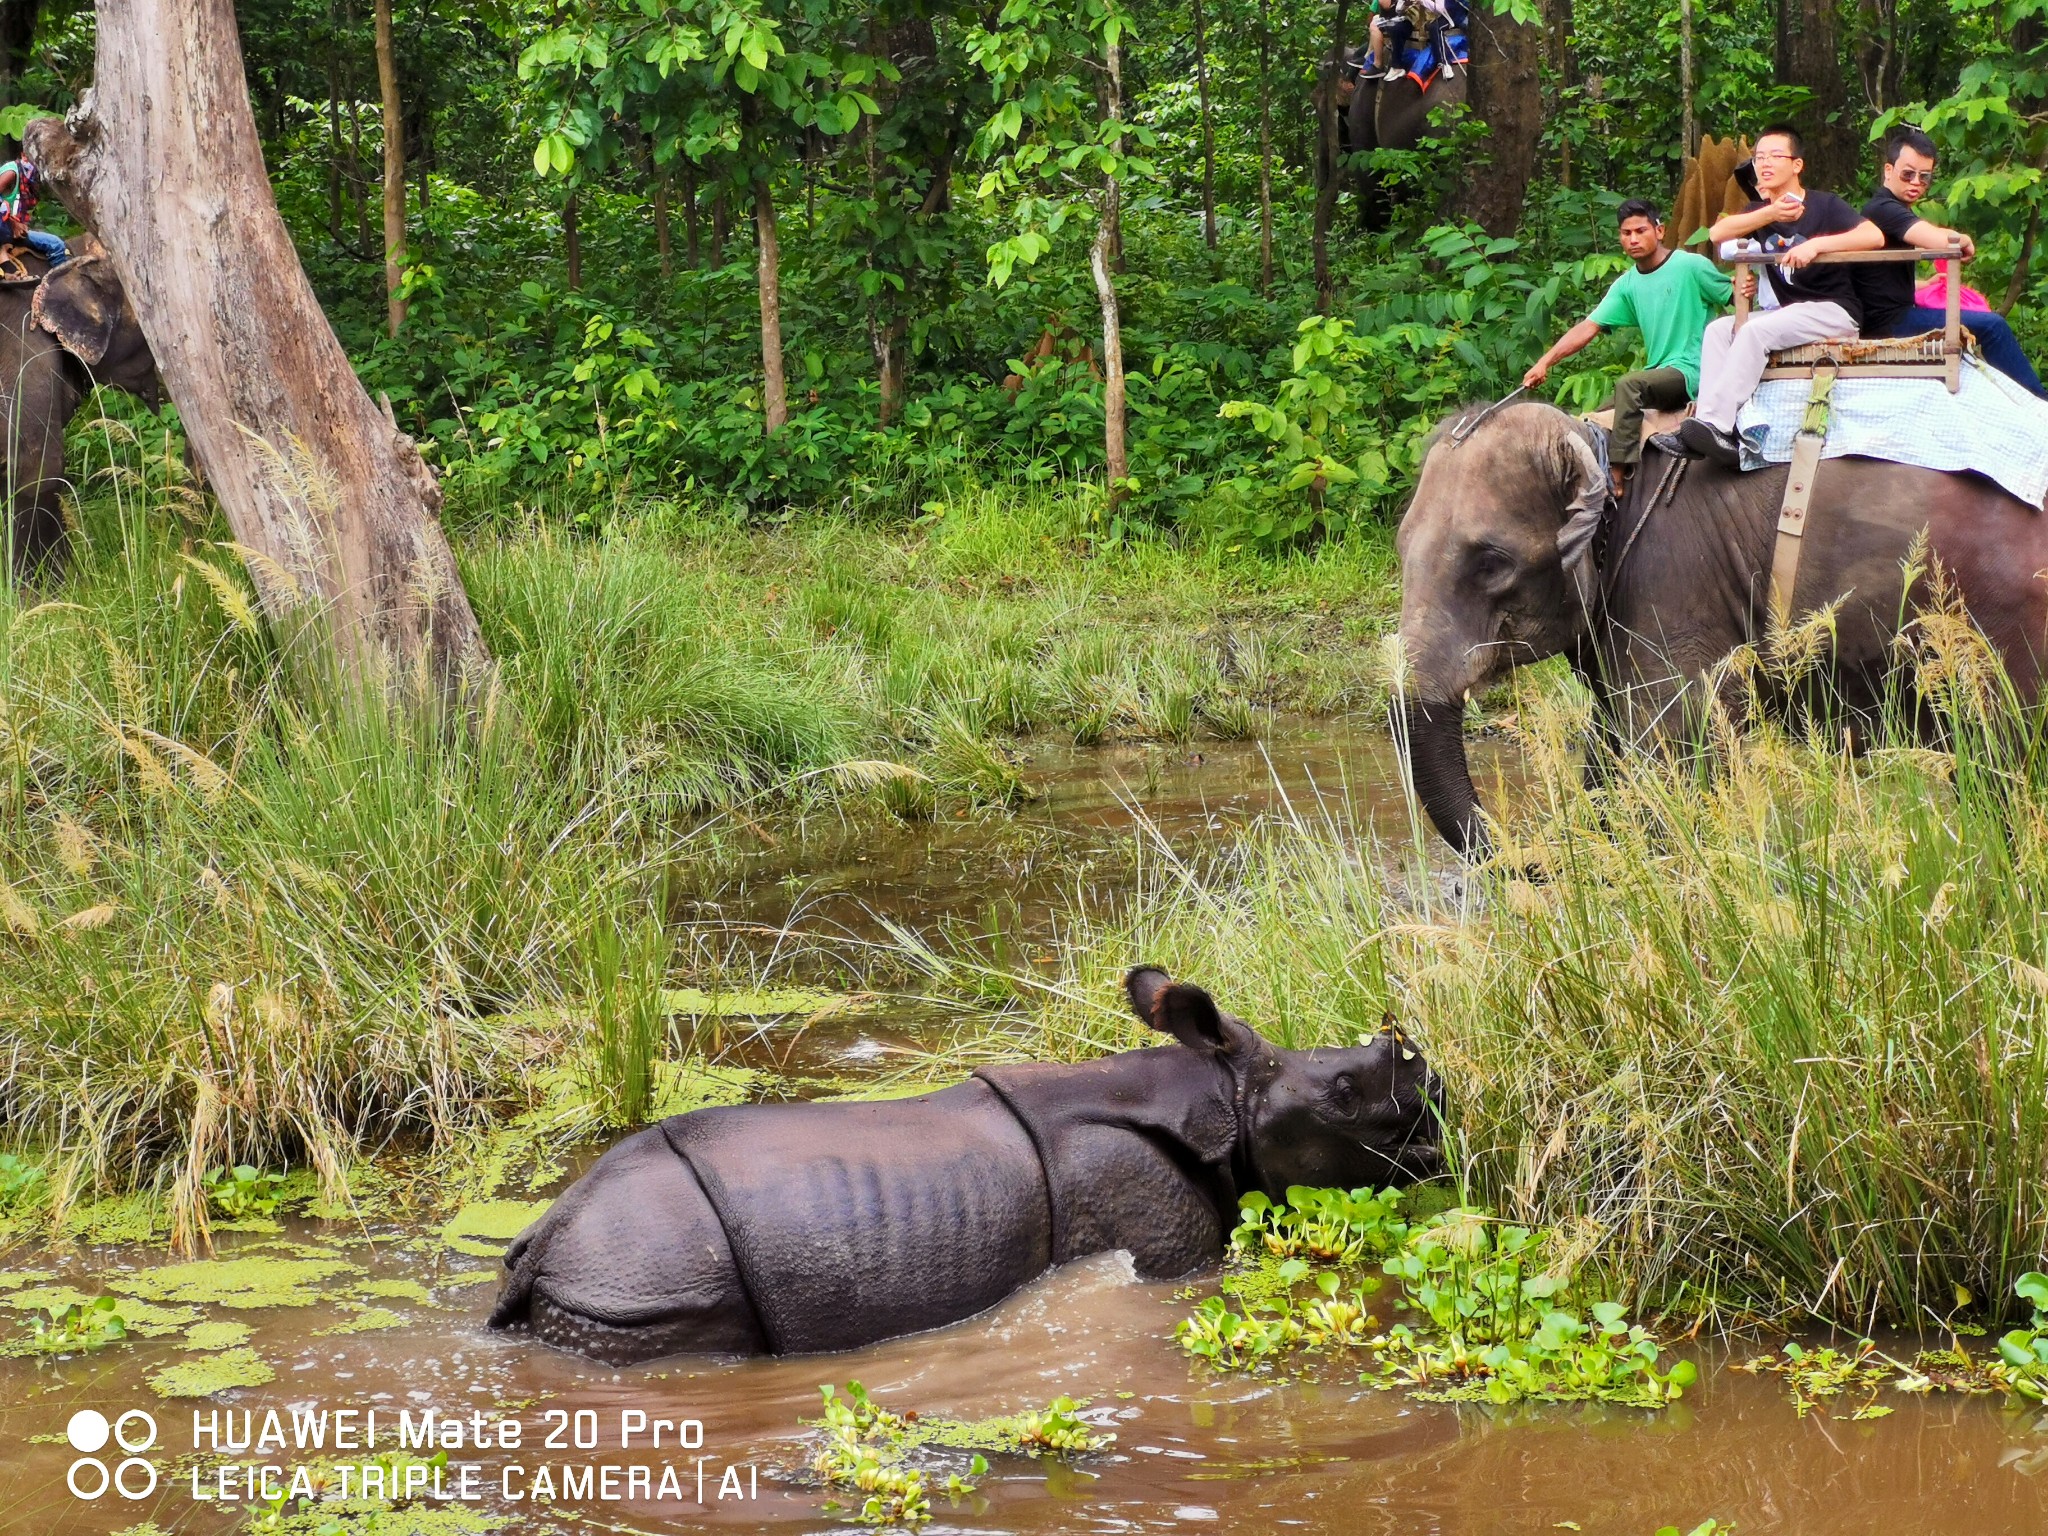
[(1815, 303), (1888, 304)]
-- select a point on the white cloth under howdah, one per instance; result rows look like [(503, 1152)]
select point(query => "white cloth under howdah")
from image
[(1990, 425)]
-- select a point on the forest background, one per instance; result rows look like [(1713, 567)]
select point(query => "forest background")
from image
[(791, 253)]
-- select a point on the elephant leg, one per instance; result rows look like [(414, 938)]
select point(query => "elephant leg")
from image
[(37, 409), (1374, 208)]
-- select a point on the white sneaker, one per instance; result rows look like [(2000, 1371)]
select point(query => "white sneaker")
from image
[(1396, 73)]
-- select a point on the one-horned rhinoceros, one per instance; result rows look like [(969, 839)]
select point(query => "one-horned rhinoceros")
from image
[(791, 1228)]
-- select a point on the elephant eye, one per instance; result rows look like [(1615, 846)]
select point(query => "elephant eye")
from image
[(1492, 566)]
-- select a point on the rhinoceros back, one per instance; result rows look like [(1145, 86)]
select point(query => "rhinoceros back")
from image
[(853, 1222), (1137, 1152)]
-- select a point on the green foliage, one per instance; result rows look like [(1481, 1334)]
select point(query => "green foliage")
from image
[(78, 1326), (1493, 1323), (20, 1182), (242, 1191), (864, 1451), (2022, 1364)]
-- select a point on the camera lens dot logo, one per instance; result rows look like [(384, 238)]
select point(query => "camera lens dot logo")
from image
[(132, 1478), (88, 1430)]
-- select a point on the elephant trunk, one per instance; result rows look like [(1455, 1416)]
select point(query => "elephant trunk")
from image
[(1435, 731)]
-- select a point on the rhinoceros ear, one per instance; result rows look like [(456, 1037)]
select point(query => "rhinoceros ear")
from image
[(1143, 986), (1191, 1016)]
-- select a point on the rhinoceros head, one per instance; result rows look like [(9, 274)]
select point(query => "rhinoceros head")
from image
[(1341, 1117)]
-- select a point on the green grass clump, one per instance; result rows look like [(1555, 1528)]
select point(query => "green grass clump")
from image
[(1769, 1038)]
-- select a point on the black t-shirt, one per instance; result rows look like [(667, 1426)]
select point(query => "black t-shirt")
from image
[(1825, 214), (1887, 285)]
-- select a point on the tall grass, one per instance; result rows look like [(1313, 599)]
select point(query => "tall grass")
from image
[(1770, 1039), (245, 919)]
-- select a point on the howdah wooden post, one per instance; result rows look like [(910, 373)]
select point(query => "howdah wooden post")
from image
[(160, 159)]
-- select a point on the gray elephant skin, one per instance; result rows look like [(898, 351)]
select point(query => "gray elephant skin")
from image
[(58, 338), (1396, 114), (1511, 552), (796, 1228)]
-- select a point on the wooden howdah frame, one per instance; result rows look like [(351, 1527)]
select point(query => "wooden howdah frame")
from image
[(1934, 355)]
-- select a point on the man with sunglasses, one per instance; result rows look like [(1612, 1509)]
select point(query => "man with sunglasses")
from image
[(1888, 305), (1815, 303)]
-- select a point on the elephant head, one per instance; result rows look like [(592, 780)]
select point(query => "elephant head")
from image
[(60, 335), (1496, 571), (83, 305)]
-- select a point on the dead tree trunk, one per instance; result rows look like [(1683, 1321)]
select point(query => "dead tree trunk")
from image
[(394, 168), (160, 159)]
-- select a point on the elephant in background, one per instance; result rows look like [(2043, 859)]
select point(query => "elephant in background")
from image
[(62, 331), (1512, 551), (1395, 114)]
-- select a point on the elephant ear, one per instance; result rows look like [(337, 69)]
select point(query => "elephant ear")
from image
[(1585, 483), (81, 303)]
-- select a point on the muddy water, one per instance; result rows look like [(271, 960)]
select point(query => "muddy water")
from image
[(1193, 1451), (1012, 873)]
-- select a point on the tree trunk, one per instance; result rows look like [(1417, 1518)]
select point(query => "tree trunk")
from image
[(1809, 55), (1208, 132), (690, 212), (394, 166), (333, 148), (888, 339), (721, 226), (1688, 122), (774, 391), (1265, 149), (1099, 253), (161, 160), (2028, 36), (1332, 174), (1507, 96), (358, 178), (1557, 45), (423, 165), (17, 48), (572, 242), (663, 243)]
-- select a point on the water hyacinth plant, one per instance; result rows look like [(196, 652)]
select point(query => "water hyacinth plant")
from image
[(1490, 1310)]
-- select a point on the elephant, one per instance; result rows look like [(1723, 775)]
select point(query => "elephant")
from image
[(1511, 551), (1395, 114), (805, 1227), (62, 330)]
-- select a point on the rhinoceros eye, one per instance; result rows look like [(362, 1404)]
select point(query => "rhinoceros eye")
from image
[(1343, 1090)]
